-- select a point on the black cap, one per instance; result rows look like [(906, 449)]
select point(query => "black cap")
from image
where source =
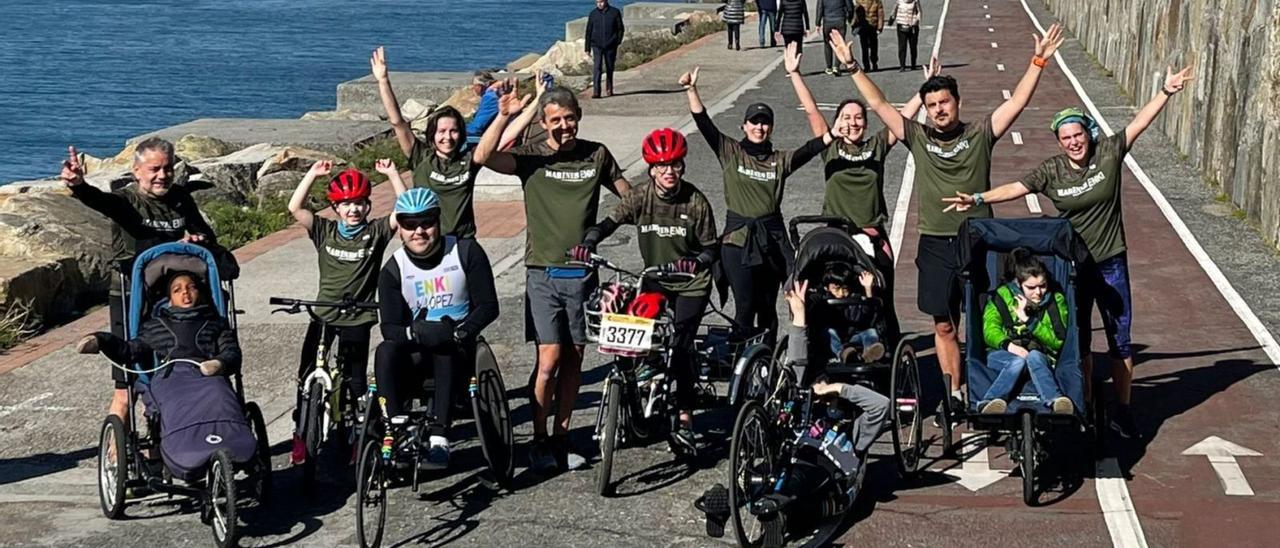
[(758, 110)]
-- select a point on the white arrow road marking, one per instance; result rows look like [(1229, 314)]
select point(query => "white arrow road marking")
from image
[(975, 472), (1222, 455)]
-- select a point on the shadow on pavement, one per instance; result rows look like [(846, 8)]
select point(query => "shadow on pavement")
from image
[(335, 483), (460, 503), (20, 469)]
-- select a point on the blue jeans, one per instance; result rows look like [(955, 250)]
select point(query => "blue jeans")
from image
[(860, 340), (1011, 366), (768, 18)]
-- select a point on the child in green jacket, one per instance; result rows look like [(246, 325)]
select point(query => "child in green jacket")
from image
[(1024, 327)]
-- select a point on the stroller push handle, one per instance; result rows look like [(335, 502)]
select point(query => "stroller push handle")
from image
[(829, 220)]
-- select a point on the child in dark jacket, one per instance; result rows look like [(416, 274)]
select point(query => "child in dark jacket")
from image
[(184, 328)]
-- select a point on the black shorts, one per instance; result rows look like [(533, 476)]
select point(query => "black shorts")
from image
[(938, 286)]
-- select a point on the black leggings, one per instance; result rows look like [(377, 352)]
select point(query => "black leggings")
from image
[(908, 39), (826, 43), (401, 367), (735, 34), (353, 354), (687, 311), (755, 292), (787, 39)]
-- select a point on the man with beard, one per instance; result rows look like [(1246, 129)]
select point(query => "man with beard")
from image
[(561, 177)]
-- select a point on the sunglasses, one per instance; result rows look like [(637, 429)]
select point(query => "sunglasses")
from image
[(418, 221)]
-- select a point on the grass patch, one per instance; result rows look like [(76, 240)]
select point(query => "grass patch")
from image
[(16, 325), (365, 158), (237, 225)]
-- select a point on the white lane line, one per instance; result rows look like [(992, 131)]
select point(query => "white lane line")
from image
[(899, 224), (1233, 298), (1006, 94), (999, 67), (994, 45), (1017, 136), (987, 16), (989, 29)]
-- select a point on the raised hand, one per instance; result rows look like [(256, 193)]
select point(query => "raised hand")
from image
[(1020, 307), (1176, 81), (1048, 44), (934, 68), (791, 58), (960, 203), (867, 279), (72, 170), (843, 50), (795, 296), (509, 102), (322, 167), (385, 166), (378, 64), (689, 79)]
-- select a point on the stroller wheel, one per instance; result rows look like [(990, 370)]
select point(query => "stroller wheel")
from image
[(222, 499), (113, 467), (261, 476)]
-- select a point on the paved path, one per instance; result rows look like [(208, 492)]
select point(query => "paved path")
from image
[(1202, 371)]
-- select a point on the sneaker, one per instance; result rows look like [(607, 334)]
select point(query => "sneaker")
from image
[(437, 454), (1062, 406), (565, 458), (1122, 423), (828, 71), (685, 439), (995, 407), (540, 457), (299, 453), (835, 71), (645, 372), (849, 354), (873, 352)]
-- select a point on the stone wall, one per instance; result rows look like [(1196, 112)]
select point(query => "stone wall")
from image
[(1229, 127)]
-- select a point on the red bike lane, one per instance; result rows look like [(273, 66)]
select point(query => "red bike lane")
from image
[(1200, 373)]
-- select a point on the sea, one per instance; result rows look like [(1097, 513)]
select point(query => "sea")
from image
[(93, 73)]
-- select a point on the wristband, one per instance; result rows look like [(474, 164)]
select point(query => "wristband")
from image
[(1039, 61), (1166, 91), (977, 199)]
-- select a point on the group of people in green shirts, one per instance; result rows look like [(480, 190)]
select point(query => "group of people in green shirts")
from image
[(562, 176)]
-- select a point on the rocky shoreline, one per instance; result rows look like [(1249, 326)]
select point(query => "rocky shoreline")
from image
[(54, 251)]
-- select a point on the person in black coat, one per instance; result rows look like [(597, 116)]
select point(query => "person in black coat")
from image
[(793, 22), (185, 328), (604, 34)]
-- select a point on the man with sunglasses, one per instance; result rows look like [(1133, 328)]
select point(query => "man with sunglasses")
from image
[(676, 229), (435, 295)]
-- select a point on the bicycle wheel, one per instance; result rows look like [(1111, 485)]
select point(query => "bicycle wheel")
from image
[(1028, 462), (222, 499), (493, 416), (313, 432), (371, 490), (113, 467), (752, 470), (609, 434), (904, 397), (261, 475)]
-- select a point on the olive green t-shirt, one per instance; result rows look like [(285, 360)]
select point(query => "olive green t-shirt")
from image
[(752, 187), (561, 195), (453, 180), (1088, 197), (349, 266), (670, 228), (855, 180), (945, 166)]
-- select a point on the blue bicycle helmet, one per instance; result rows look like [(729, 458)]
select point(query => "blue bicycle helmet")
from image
[(417, 201)]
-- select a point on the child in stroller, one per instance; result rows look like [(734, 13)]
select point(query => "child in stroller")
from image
[(857, 336)]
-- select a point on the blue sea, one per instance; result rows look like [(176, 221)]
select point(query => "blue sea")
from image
[(95, 72)]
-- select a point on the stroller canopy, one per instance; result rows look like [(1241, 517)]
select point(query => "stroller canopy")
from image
[(822, 245), (156, 264)]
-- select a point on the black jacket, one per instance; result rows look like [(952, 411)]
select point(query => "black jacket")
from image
[(197, 333), (834, 13), (604, 28), (793, 17), (397, 319)]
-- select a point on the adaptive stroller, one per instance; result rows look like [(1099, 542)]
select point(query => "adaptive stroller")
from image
[(200, 431)]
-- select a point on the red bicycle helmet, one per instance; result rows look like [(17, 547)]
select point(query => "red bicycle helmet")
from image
[(350, 185), (664, 146), (647, 305)]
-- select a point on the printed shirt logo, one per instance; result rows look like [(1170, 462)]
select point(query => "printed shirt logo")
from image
[(860, 157), (347, 255), (1083, 188), (446, 180), (947, 154), (571, 176), (663, 231), (434, 292), (763, 176), (163, 224)]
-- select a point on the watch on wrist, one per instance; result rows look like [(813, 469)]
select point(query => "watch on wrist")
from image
[(459, 334)]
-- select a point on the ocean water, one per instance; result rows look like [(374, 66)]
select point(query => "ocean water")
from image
[(94, 73)]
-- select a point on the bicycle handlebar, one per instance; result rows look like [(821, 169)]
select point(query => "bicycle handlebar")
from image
[(661, 272), (294, 306)]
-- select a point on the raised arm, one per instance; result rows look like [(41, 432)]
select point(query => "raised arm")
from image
[(297, 202), (486, 152), (791, 61), (108, 204), (870, 92), (515, 128), (1173, 83), (1003, 193), (912, 106), (706, 127), (404, 134), (1007, 113), (388, 168)]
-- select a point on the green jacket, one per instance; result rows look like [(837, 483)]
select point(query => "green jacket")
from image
[(1044, 329)]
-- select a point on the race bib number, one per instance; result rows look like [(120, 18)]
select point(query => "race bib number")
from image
[(628, 335)]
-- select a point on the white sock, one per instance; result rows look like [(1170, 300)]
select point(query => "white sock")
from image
[(957, 394)]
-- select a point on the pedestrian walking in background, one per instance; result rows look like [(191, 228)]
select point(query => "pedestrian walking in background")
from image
[(868, 22), (833, 15), (768, 12), (906, 17), (735, 12), (604, 34), (793, 21)]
